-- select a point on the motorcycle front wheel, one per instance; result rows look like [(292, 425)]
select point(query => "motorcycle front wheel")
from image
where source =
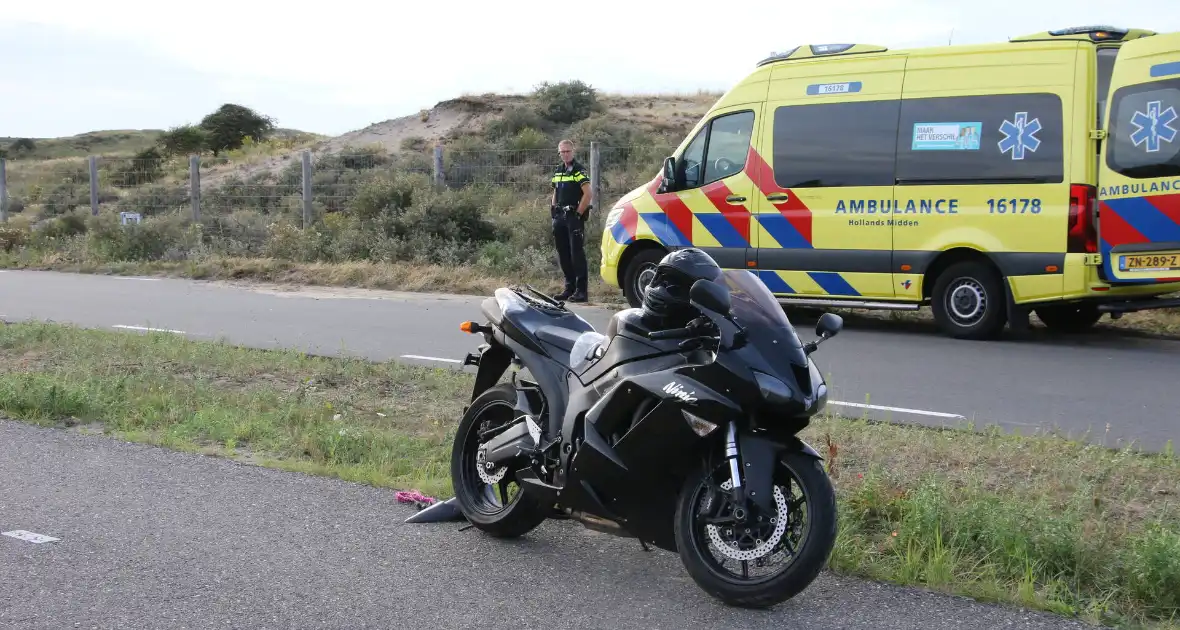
[(759, 559), (485, 496)]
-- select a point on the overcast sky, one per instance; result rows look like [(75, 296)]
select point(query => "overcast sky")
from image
[(70, 66)]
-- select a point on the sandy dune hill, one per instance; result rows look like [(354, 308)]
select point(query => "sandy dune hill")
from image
[(470, 114)]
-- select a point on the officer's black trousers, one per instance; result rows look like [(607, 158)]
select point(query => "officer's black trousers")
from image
[(569, 236)]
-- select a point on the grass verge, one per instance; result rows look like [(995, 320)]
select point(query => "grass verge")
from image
[(1035, 521)]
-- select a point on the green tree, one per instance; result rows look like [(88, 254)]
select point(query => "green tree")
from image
[(231, 124)]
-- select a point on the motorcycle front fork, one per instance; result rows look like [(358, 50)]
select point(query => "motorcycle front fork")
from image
[(731, 453)]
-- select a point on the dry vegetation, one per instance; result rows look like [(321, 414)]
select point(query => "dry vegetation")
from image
[(1035, 520), (378, 222)]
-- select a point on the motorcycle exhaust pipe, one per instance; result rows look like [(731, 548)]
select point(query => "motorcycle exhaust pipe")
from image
[(598, 524)]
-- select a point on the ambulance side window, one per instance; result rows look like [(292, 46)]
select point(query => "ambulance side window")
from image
[(835, 144), (1106, 58), (982, 139), (693, 158), (729, 144), (718, 151), (1144, 140)]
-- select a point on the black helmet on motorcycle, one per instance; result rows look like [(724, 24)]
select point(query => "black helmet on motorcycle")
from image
[(666, 298)]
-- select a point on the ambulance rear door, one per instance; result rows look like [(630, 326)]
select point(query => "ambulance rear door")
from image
[(1139, 165)]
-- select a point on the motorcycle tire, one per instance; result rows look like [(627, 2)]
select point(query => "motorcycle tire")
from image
[(811, 553), (523, 512)]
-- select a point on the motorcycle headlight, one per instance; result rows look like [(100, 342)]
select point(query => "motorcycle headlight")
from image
[(773, 390)]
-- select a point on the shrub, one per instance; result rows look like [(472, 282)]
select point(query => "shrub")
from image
[(513, 121), (413, 143), (567, 102), (446, 215), (231, 124), (144, 167), (109, 240), (529, 139), (12, 237), (22, 145), (16, 205), (156, 199), (65, 226), (184, 140), (387, 196)]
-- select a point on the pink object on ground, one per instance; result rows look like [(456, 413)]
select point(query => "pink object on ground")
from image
[(414, 497)]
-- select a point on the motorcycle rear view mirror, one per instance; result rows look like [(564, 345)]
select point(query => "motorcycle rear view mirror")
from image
[(829, 326), (710, 295)]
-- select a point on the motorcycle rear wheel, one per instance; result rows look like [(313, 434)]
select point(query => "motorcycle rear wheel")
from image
[(498, 516), (810, 551)]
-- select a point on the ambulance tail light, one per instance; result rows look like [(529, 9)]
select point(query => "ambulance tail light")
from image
[(1083, 222)]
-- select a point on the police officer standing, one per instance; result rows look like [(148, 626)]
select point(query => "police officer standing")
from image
[(568, 208)]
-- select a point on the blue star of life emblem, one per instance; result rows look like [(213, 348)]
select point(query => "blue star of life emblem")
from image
[(1019, 135), (1153, 125)]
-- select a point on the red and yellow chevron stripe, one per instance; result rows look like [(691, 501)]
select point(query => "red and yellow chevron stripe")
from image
[(702, 217)]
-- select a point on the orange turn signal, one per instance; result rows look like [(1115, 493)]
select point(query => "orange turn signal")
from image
[(906, 267), (467, 326), (1051, 268)]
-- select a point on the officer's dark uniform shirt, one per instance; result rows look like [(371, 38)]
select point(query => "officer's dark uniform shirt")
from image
[(567, 181)]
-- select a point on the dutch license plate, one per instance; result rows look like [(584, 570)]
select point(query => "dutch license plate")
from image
[(1150, 262)]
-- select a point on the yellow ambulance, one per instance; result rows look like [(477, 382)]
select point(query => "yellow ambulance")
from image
[(985, 181)]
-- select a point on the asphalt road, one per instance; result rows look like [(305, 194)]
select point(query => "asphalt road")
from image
[(151, 538), (1074, 385)]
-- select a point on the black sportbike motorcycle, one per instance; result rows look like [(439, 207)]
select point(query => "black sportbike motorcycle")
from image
[(683, 438)]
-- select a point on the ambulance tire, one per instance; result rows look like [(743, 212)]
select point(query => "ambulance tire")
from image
[(969, 301), (639, 269)]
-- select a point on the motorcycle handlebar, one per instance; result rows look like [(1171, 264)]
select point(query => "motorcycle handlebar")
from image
[(691, 330), (672, 333)]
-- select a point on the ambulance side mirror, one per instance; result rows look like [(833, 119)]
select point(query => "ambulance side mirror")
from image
[(669, 175)]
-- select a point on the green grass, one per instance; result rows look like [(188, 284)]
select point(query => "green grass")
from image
[(1038, 521), (385, 424)]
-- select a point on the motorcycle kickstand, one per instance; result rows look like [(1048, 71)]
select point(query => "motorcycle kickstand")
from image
[(644, 545)]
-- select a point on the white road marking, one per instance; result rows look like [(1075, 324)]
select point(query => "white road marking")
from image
[(919, 412), (414, 356), (36, 539), (178, 332)]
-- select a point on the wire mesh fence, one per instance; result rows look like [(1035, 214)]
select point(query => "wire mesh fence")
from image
[(302, 185)]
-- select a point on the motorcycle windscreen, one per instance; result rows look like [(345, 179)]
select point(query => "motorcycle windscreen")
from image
[(772, 345)]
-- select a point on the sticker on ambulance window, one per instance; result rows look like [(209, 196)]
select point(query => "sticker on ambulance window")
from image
[(947, 136), (1020, 135), (1145, 130), (1153, 125)]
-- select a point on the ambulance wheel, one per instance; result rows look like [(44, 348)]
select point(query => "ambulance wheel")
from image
[(1069, 318), (969, 301), (639, 273)]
